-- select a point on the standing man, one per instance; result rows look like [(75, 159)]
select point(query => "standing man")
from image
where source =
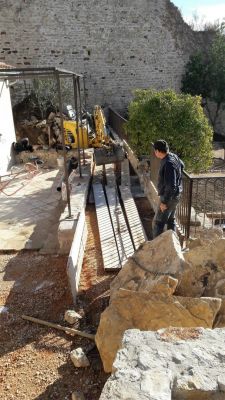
[(169, 187)]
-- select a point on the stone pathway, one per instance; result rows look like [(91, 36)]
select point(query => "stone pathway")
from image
[(29, 212)]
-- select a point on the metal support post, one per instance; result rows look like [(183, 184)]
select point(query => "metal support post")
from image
[(77, 121), (80, 108), (63, 144)]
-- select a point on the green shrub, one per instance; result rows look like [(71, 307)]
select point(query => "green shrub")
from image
[(176, 118)]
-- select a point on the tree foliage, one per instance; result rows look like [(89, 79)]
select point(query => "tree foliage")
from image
[(46, 97), (205, 76), (176, 118)]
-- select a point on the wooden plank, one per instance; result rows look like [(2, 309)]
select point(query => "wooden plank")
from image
[(123, 240), (135, 225), (125, 173), (110, 254)]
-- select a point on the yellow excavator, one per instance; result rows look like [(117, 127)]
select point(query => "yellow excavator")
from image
[(106, 150)]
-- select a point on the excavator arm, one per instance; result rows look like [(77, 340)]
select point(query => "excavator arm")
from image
[(106, 150)]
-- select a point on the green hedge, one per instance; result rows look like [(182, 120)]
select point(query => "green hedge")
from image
[(177, 118)]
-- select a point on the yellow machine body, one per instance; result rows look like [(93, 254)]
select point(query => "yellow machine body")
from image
[(100, 129), (70, 133), (106, 151)]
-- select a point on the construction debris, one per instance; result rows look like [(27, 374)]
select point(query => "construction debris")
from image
[(159, 366), (160, 286), (71, 316), (59, 327), (77, 396), (79, 358)]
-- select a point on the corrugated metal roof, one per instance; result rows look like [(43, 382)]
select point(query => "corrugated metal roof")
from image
[(5, 66)]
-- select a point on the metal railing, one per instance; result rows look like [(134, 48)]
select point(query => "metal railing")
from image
[(202, 201), (116, 122)]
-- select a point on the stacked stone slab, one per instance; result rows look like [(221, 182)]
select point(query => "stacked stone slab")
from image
[(145, 295), (174, 363)]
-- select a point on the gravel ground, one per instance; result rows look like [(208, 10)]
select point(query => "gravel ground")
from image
[(35, 361)]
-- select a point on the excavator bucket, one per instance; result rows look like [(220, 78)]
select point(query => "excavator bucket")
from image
[(109, 154)]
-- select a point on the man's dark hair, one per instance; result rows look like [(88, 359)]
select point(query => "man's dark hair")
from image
[(161, 145)]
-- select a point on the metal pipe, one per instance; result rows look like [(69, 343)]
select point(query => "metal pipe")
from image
[(189, 208), (85, 103), (80, 107), (77, 121), (71, 165), (63, 143)]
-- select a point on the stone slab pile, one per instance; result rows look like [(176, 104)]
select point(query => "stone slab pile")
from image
[(153, 291), (205, 275), (172, 363)]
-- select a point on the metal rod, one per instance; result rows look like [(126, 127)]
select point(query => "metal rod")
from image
[(189, 208), (204, 210), (196, 203), (85, 104), (85, 97), (63, 143), (77, 122), (222, 204), (72, 331), (80, 107), (214, 200)]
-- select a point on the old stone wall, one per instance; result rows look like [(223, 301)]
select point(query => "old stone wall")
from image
[(119, 44)]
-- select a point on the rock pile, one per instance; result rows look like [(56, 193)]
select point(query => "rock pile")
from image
[(173, 363), (160, 286)]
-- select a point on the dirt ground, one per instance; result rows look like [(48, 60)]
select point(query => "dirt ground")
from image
[(35, 361)]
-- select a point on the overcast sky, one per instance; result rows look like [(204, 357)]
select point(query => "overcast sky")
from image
[(210, 10)]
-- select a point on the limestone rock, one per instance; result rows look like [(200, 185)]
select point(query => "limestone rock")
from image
[(221, 382), (79, 358), (77, 396), (147, 311), (141, 272), (204, 273), (208, 253), (161, 255), (71, 316), (205, 236), (146, 367)]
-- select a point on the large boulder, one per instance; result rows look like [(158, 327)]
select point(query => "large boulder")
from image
[(169, 364), (204, 273), (162, 256), (148, 311)]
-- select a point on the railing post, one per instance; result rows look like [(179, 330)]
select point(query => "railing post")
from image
[(189, 208)]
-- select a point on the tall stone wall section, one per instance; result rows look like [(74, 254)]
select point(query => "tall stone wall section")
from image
[(119, 44)]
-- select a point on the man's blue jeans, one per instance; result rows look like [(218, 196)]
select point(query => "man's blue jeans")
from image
[(166, 217)]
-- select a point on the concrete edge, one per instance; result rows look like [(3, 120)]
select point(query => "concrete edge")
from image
[(76, 255)]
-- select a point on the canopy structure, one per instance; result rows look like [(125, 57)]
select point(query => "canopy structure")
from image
[(12, 74)]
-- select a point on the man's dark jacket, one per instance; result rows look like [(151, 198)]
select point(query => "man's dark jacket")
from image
[(170, 178)]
